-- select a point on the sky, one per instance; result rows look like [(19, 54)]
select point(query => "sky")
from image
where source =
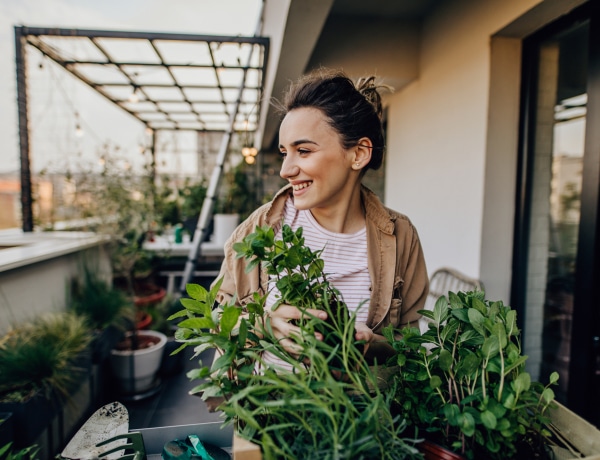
[(58, 102)]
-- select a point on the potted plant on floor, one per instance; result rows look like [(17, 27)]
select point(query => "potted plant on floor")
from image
[(329, 405), (106, 310), (463, 385), (42, 363)]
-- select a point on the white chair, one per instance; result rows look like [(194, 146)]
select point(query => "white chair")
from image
[(443, 281)]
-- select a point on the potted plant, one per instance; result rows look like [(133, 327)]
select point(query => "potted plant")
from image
[(462, 383), (42, 364), (106, 310), (330, 404)]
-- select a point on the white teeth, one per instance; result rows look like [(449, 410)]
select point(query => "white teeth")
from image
[(302, 185)]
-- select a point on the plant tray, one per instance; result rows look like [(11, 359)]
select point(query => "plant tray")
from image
[(214, 433), (582, 435)]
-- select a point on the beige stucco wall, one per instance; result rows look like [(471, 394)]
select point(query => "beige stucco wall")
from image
[(452, 140)]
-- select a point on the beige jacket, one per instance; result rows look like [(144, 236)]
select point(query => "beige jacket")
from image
[(399, 281)]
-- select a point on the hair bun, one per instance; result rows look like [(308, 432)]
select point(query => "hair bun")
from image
[(370, 90)]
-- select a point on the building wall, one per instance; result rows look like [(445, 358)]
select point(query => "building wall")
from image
[(452, 142)]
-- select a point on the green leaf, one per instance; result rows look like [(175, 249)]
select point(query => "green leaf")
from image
[(445, 360), (229, 319), (452, 413), (489, 419), (440, 310), (476, 319), (435, 382), (198, 323), (511, 323), (479, 306), (195, 291), (196, 306), (468, 424), (554, 377), (490, 347), (548, 395), (499, 331), (521, 383)]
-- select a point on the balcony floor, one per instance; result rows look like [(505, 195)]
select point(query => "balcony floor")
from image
[(172, 405)]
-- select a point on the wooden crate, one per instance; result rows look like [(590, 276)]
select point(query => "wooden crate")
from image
[(582, 435)]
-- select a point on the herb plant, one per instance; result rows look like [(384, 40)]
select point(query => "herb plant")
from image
[(310, 411), (463, 382)]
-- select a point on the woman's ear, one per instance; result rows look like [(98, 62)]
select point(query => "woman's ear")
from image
[(362, 153)]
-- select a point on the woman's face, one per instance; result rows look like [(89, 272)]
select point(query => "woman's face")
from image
[(314, 161)]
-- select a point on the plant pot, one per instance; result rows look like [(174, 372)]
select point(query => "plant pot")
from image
[(30, 418), (143, 319), (148, 294), (135, 370), (433, 451)]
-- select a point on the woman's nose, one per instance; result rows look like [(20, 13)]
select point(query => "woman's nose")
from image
[(289, 168)]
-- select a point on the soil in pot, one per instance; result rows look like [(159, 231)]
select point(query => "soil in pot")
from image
[(137, 342)]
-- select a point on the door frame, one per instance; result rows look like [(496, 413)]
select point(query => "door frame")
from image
[(585, 342)]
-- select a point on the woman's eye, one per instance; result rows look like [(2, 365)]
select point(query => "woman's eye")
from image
[(282, 154), (303, 151)]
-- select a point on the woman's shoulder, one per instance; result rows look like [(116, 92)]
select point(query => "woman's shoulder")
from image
[(383, 216)]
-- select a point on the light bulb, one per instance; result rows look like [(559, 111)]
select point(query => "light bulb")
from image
[(133, 97), (78, 131), (250, 160)]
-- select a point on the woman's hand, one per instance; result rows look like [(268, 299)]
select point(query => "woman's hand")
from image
[(279, 322), (364, 332)]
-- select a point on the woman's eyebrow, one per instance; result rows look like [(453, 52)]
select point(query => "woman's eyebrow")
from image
[(299, 142)]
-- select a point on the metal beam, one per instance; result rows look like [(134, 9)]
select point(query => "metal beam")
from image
[(21, 67)]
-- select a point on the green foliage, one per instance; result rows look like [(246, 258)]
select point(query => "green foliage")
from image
[(240, 194), (99, 302), (329, 405), (464, 379), (41, 356), (26, 453)]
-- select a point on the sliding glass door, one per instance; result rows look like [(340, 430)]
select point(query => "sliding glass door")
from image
[(556, 260)]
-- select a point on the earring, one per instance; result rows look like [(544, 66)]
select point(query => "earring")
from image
[(357, 164)]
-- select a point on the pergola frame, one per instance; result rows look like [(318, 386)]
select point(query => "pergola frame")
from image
[(152, 111), (229, 102)]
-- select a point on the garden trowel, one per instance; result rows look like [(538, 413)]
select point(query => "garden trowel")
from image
[(108, 422)]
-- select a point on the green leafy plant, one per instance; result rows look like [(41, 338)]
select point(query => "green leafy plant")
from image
[(98, 302), (26, 453), (240, 194), (463, 381), (42, 357), (329, 405)]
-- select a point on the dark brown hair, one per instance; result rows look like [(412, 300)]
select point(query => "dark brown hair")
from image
[(354, 110)]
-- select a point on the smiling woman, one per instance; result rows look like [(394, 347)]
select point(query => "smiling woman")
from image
[(330, 135)]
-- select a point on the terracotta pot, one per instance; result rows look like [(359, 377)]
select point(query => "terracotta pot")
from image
[(432, 451), (152, 295), (143, 319)]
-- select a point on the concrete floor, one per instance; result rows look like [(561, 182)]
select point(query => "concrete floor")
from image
[(172, 405)]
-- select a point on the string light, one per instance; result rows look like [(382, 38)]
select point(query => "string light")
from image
[(134, 97)]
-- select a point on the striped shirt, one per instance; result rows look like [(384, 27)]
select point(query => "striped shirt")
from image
[(345, 258)]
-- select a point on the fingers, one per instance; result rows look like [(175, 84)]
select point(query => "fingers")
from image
[(286, 333), (363, 332)]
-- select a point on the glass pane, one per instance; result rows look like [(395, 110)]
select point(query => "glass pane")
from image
[(555, 204)]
